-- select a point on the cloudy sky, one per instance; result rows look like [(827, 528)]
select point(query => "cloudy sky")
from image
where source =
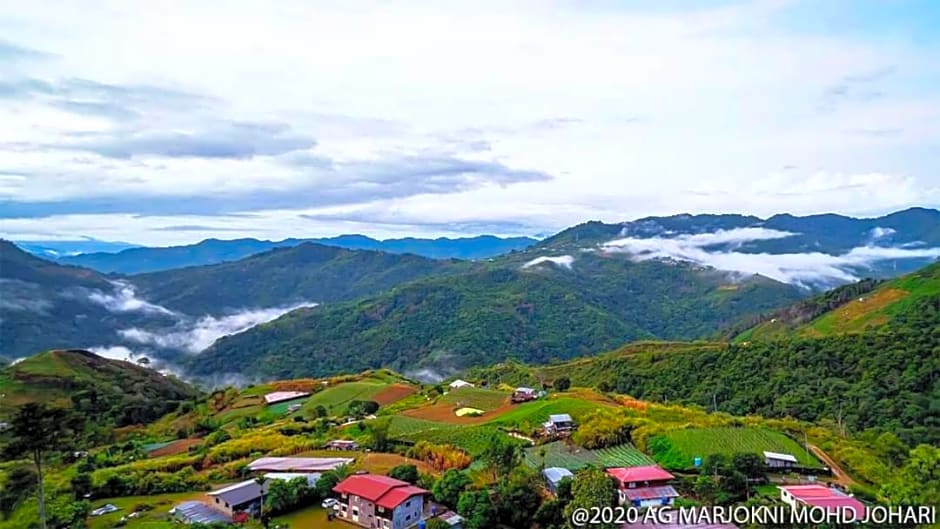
[(168, 122)]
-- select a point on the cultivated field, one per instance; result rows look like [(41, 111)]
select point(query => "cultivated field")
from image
[(484, 399), (393, 393), (573, 457), (678, 448), (472, 439), (337, 398)]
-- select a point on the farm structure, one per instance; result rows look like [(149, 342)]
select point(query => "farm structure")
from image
[(776, 460), (559, 425), (298, 464), (646, 486), (284, 396), (820, 496), (553, 477), (342, 444), (523, 394)]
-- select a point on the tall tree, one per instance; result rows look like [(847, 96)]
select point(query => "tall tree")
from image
[(501, 455), (592, 488), (35, 430)]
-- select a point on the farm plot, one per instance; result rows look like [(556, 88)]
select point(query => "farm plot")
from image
[(336, 399), (531, 415), (467, 397), (573, 457), (393, 393), (678, 449), (472, 439)]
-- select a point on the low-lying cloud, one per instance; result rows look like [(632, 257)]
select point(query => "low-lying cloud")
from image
[(124, 299), (803, 269), (114, 352), (563, 260), (195, 336)]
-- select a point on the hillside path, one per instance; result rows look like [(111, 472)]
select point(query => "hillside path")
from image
[(840, 476)]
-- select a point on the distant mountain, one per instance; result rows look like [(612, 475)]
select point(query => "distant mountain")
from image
[(308, 272), (212, 251), (109, 391), (506, 309), (45, 305), (60, 249), (880, 247)]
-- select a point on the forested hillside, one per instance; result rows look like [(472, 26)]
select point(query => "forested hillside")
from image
[(885, 377), (536, 314), (106, 392), (284, 276)]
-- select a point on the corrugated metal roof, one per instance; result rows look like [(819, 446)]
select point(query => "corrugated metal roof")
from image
[(556, 474), (288, 476), (298, 464), (650, 493), (240, 493), (638, 474), (561, 417), (781, 457), (198, 512)]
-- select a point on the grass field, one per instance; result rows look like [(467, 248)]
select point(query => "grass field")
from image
[(531, 415), (313, 517), (281, 407), (480, 398), (336, 399), (573, 457), (678, 449), (156, 518)]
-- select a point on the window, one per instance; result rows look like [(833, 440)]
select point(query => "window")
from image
[(355, 511)]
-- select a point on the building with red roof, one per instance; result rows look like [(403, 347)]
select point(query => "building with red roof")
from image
[(820, 496), (381, 502), (646, 486)]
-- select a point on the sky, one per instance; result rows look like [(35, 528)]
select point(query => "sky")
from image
[(167, 123)]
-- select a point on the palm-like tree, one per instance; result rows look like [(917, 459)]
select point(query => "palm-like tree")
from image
[(260, 480)]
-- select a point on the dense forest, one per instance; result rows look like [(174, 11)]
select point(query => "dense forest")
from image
[(536, 314)]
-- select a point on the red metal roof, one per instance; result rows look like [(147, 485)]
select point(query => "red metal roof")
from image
[(640, 474), (398, 495), (825, 497), (382, 490)]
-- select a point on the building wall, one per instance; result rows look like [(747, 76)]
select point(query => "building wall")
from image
[(408, 513), (777, 463), (364, 510)]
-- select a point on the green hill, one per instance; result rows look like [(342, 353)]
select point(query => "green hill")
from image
[(851, 308), (283, 276), (103, 390), (871, 368), (494, 312)]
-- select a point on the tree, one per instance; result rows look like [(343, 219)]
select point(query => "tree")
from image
[(501, 455), (260, 480), (562, 384), (477, 509), (517, 500), (749, 464), (550, 515), (918, 481), (144, 361), (326, 483), (706, 489), (34, 430), (380, 435), (407, 473), (591, 488), (447, 490), (81, 485), (20, 483), (437, 523), (320, 411), (563, 490)]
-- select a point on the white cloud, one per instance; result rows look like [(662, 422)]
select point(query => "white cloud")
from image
[(803, 269), (193, 337), (562, 260), (879, 233), (124, 299), (634, 111), (114, 352)]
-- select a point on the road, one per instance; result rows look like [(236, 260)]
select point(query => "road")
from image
[(839, 475)]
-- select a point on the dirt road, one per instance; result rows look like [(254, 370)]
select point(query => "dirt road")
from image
[(838, 474)]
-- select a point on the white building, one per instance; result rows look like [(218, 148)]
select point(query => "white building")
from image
[(460, 384)]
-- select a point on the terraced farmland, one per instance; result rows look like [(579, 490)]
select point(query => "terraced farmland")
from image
[(678, 448), (472, 439), (467, 397), (573, 457), (336, 399)]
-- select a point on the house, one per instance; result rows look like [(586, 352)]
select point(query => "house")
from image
[(190, 512), (298, 464), (293, 408), (460, 384), (561, 424), (831, 499), (554, 475), (342, 444), (523, 395), (240, 497), (778, 460), (283, 396), (375, 501), (646, 486)]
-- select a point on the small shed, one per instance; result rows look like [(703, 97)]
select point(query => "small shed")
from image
[(778, 460), (460, 384), (523, 394), (554, 475), (342, 444), (283, 396)]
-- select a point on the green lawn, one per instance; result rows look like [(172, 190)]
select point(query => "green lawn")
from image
[(156, 518), (484, 399), (336, 399), (313, 517), (678, 448)]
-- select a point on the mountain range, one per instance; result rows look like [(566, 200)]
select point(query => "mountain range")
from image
[(313, 309), (137, 260)]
